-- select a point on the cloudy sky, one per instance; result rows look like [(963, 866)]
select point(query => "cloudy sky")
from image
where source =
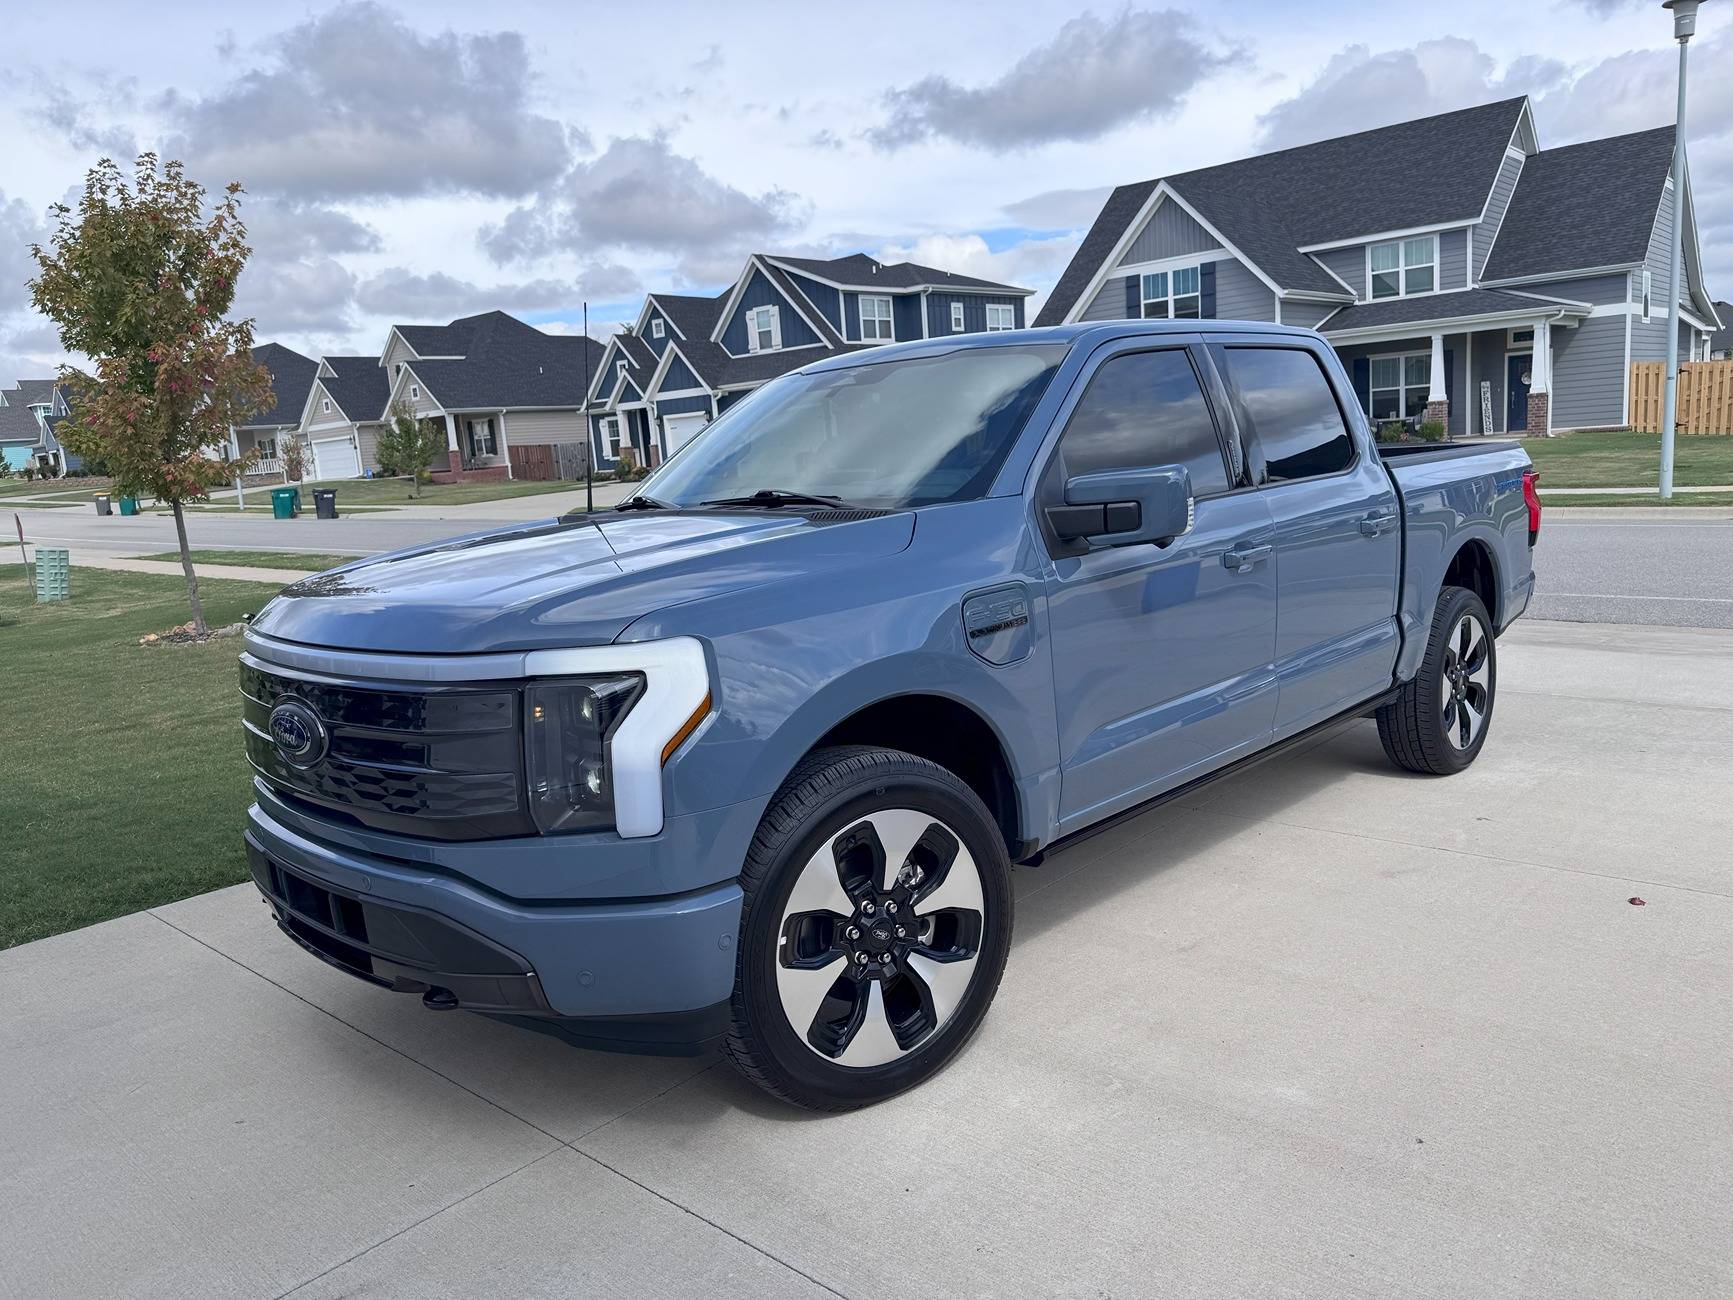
[(420, 163)]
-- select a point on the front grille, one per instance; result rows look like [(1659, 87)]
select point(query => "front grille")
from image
[(436, 761)]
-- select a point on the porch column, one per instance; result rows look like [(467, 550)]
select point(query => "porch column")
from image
[(1540, 381), (504, 451), (1437, 396), (453, 456)]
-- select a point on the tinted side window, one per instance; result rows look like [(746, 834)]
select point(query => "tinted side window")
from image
[(1143, 410), (1292, 411)]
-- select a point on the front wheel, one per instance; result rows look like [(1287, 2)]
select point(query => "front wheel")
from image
[(1439, 720), (876, 923)]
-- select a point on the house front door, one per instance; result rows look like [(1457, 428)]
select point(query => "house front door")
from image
[(1517, 368)]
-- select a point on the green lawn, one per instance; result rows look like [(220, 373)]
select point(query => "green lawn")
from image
[(391, 491), (1677, 499), (1624, 459), (64, 489), (124, 777), (261, 559)]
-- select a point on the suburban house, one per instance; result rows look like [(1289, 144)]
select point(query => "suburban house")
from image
[(1463, 273), (341, 417), (1721, 342), (28, 413), (686, 359), (504, 393), (267, 430)]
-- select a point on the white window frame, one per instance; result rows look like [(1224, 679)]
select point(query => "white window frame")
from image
[(885, 321), (956, 318), (492, 435), (1516, 344), (414, 393), (1002, 312), (764, 320), (657, 328), (611, 435), (325, 406), (1177, 291), (1402, 387), (1648, 295), (266, 447), (1407, 260)]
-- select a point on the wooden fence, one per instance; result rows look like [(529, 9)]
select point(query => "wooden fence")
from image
[(547, 460), (1705, 397)]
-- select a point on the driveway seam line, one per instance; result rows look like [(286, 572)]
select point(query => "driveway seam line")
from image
[(729, 1232), (552, 1137), (383, 1241), (1468, 853)]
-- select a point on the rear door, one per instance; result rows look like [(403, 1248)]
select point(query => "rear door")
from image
[(1337, 527), (1161, 655)]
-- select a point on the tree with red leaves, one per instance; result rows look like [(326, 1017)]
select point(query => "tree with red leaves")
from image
[(140, 279)]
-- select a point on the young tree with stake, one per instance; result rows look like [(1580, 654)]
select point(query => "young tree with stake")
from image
[(140, 279)]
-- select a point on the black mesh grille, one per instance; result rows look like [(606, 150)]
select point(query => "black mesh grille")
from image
[(436, 761)]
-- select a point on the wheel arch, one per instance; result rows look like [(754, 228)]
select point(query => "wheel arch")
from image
[(1474, 566)]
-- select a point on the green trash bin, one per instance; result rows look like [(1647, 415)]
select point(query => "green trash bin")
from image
[(285, 502), (129, 505)]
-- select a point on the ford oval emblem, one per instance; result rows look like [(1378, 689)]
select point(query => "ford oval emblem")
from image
[(299, 733)]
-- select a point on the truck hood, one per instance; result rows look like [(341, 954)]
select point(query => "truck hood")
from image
[(558, 583)]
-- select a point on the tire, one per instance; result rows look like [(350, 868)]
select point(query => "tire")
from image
[(1439, 721), (847, 992)]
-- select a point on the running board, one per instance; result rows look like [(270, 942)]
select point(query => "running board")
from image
[(1354, 714)]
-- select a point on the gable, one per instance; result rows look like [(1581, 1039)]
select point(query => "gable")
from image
[(758, 291), (1170, 231), (1485, 232), (824, 297), (678, 377)]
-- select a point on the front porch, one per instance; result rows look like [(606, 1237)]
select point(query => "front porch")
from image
[(1489, 372), (476, 449)]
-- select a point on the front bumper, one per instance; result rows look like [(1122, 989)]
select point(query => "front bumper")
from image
[(405, 926)]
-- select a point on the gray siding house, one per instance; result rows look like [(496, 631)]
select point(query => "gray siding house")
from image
[(266, 432), (1463, 273), (686, 359)]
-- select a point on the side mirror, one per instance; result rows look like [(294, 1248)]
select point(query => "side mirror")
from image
[(1122, 507)]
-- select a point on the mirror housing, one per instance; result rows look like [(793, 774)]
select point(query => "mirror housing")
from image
[(1122, 507)]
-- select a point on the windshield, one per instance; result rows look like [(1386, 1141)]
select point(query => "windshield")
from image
[(893, 434)]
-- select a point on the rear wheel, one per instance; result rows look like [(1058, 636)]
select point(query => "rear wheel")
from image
[(876, 925), (1439, 721)]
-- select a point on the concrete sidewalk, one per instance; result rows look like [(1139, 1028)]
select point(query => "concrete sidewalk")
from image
[(1323, 1029)]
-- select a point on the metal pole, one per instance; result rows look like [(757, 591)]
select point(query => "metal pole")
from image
[(1684, 25), (589, 433)]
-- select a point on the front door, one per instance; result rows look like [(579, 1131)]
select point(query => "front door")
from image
[(1161, 655), (1518, 367), (1338, 533)]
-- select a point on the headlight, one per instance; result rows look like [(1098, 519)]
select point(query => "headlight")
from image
[(567, 729)]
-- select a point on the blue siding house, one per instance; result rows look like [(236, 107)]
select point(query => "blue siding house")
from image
[(1465, 274), (685, 359)]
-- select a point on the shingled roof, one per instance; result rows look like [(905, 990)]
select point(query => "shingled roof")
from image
[(1583, 205), (505, 364), (858, 271), (358, 386), (291, 379), (1269, 206)]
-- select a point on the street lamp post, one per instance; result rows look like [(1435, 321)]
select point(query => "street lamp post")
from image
[(1684, 27)]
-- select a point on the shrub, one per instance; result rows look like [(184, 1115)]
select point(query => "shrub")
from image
[(1432, 431), (294, 460), (1392, 431)]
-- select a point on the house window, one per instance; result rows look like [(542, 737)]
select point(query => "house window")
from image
[(657, 328), (1523, 338), (1403, 266), (1170, 295), (396, 370), (1399, 386), (482, 439), (611, 435), (956, 318), (325, 405), (1648, 295), (875, 319), (414, 392), (267, 448), (1001, 316), (763, 329)]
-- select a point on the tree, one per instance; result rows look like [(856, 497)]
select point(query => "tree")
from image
[(140, 280), (294, 460), (408, 445)]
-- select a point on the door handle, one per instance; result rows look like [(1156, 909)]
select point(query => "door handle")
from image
[(1241, 558), (1374, 525)]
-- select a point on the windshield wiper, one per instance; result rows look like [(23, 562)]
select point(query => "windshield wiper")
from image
[(771, 498), (639, 501)]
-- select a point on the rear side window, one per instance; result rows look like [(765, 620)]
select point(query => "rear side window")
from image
[(1143, 410), (1292, 410)]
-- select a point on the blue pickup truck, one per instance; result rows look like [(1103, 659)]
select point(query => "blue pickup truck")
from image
[(746, 761)]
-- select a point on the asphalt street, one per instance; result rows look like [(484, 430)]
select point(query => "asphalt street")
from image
[(1322, 1029)]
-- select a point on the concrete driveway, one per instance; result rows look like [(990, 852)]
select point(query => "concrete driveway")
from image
[(1322, 1030)]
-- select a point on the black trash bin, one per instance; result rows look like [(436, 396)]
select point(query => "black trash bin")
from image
[(325, 503), (102, 504)]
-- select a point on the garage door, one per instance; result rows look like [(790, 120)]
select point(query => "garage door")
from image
[(678, 430), (336, 458)]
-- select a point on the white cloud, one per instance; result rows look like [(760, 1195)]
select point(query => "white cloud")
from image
[(1032, 264)]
